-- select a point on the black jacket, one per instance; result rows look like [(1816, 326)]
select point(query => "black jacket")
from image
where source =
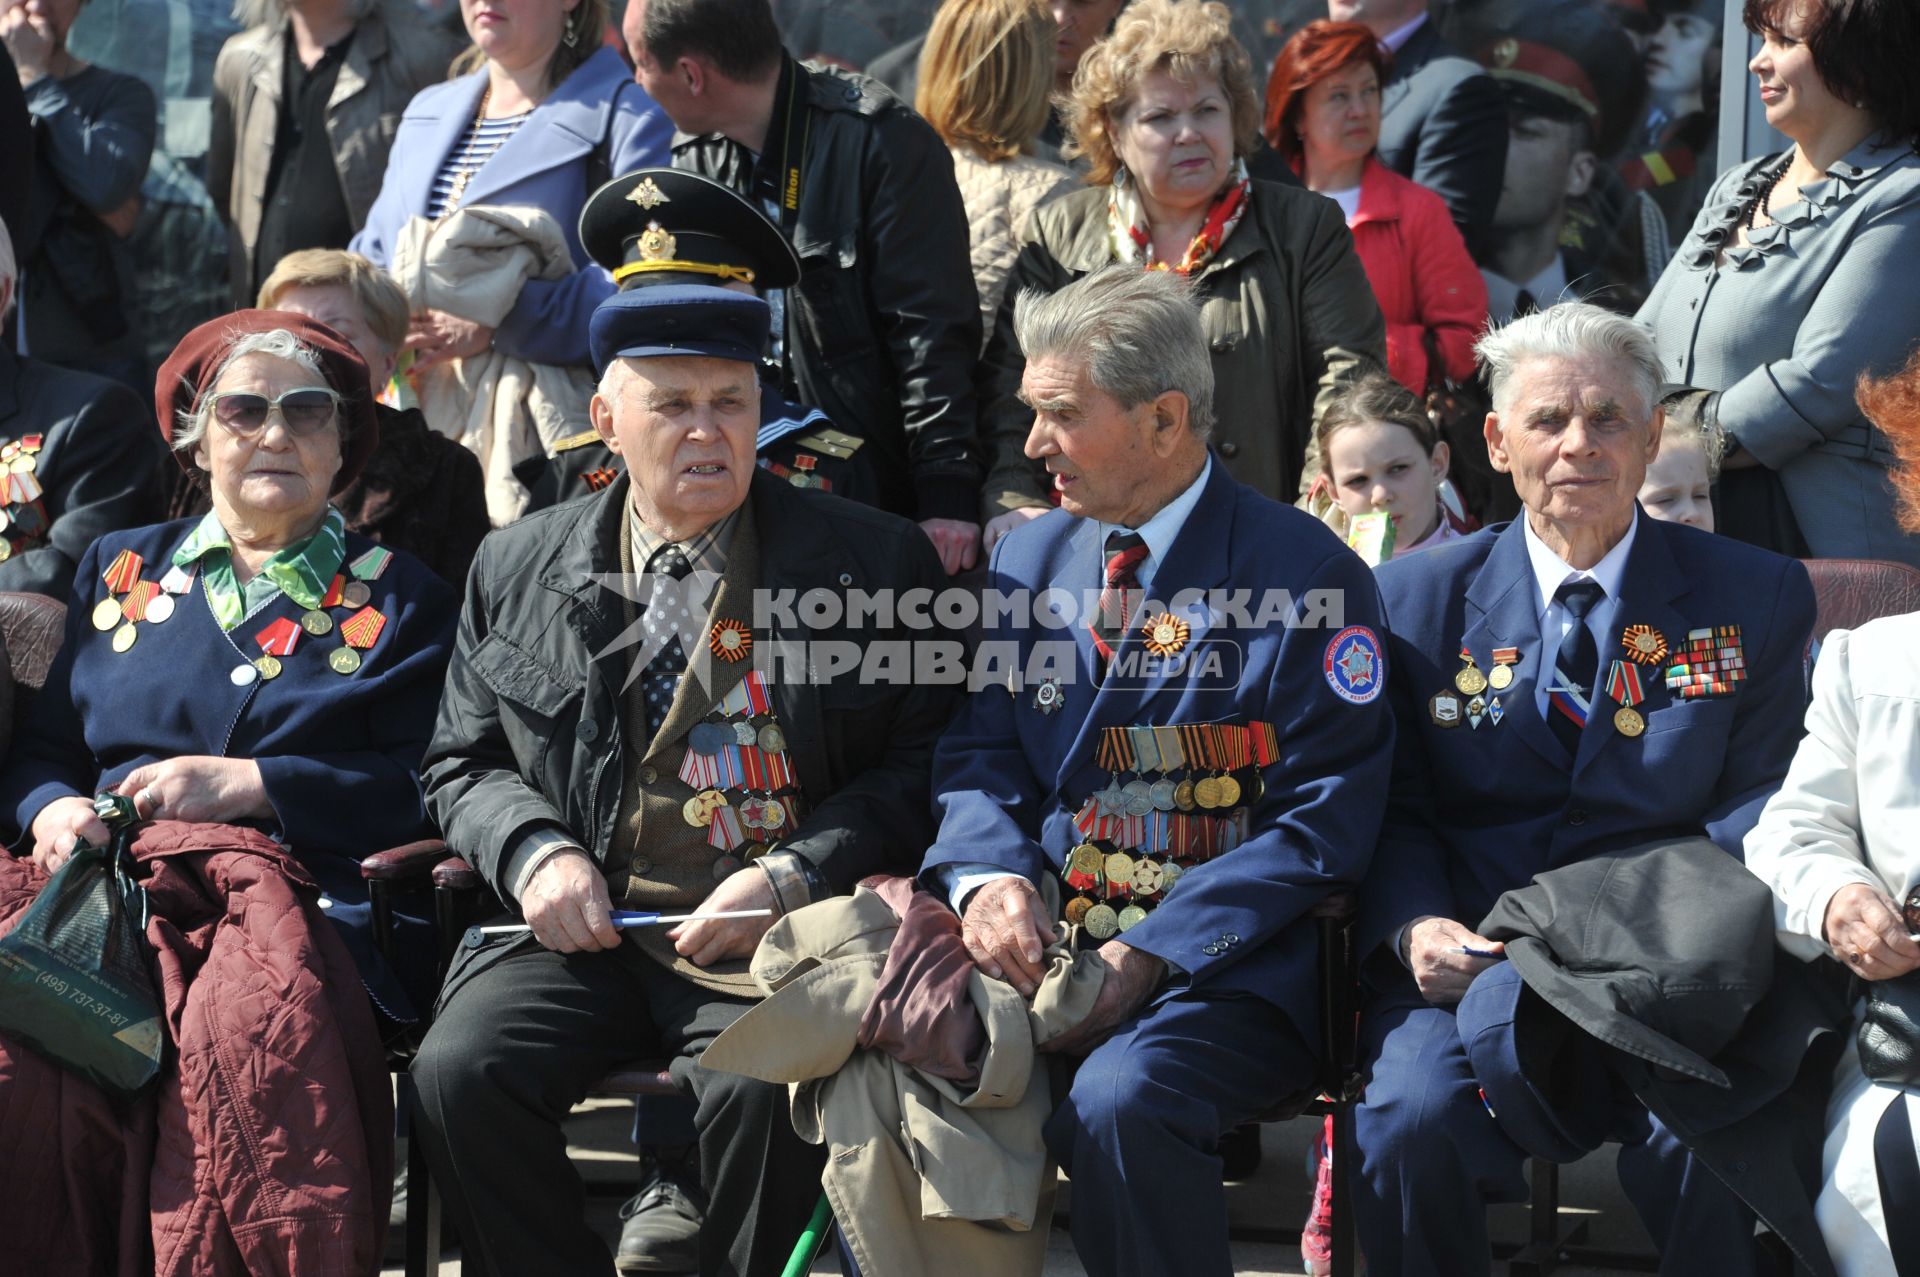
[(1443, 123), (1666, 953), (102, 466), (884, 326), (530, 726)]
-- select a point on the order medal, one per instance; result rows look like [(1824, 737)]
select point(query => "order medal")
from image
[(1131, 917), (106, 615), (123, 638), (1102, 922), (1470, 680), (1628, 721), (343, 660)]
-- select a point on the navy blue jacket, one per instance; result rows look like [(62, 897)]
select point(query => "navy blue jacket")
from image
[(339, 754), (1008, 778), (1475, 812)]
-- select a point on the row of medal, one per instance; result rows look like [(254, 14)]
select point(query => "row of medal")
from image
[(1138, 838), (736, 763), (132, 601), (1710, 664), (23, 515)]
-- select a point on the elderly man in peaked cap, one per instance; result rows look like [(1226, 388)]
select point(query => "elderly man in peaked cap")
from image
[(608, 740), (665, 228)]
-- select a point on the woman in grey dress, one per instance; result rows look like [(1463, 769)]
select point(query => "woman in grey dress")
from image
[(1797, 278)]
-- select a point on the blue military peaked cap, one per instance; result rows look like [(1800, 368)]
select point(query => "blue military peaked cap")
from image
[(691, 320)]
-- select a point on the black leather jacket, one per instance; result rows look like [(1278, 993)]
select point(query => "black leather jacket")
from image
[(883, 329), (530, 725)]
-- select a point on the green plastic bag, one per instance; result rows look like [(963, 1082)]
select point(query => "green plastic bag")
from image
[(76, 984)]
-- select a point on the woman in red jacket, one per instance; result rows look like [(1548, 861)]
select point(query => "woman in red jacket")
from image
[(1323, 116)]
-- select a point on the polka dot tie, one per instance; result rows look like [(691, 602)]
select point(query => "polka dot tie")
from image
[(666, 618)]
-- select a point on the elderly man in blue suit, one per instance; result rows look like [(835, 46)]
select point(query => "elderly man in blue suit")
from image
[(1194, 776), (1582, 680)]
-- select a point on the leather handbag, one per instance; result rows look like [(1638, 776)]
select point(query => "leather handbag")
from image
[(1889, 1040)]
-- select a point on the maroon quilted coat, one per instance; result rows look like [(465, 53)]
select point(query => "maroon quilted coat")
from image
[(266, 1145)]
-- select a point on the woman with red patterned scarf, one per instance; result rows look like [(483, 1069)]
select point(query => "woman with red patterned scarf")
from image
[(1164, 115)]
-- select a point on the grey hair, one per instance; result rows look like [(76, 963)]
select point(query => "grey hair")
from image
[(277, 342), (1138, 330), (616, 376), (1571, 330)]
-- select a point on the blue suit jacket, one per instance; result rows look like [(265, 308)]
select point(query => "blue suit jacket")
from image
[(1475, 812), (339, 755), (1008, 778), (547, 163)]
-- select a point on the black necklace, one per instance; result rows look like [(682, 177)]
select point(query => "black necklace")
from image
[(1762, 204)]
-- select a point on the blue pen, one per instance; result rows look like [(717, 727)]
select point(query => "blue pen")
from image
[(622, 919), (1474, 953)]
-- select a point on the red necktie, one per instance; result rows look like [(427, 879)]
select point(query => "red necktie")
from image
[(1120, 595)]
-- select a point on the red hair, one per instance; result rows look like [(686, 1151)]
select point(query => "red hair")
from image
[(1315, 52), (1893, 404)]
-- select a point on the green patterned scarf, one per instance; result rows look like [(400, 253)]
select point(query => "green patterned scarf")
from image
[(302, 571)]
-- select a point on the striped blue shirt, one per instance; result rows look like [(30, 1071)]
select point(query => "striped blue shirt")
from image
[(482, 139)]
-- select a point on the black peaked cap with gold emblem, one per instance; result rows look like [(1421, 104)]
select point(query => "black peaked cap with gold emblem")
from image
[(656, 220)]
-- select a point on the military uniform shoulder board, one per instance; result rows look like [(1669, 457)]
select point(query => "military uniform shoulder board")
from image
[(580, 440), (837, 444)]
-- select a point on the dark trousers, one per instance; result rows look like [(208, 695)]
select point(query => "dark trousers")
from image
[(1431, 1158), (517, 1046), (1140, 1129)]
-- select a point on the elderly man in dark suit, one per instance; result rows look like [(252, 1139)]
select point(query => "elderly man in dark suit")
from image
[(1579, 681), (1442, 122), (79, 458), (1255, 736), (613, 738)]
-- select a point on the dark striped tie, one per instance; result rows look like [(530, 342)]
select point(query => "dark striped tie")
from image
[(1119, 594), (1575, 665), (666, 618)]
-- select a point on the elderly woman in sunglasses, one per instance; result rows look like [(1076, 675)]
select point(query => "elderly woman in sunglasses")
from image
[(260, 666)]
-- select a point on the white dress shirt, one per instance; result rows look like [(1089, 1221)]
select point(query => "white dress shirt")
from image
[(1396, 40), (1550, 572)]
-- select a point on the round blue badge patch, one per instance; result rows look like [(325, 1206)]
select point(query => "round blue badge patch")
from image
[(1353, 665)]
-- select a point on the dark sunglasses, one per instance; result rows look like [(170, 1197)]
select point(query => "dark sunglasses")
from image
[(306, 411)]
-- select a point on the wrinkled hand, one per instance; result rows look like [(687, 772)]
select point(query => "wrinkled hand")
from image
[(435, 337), (60, 826), (705, 943), (1132, 976), (197, 787), (1443, 977), (29, 41), (566, 904), (957, 541), (1006, 929), (1864, 928), (1001, 524)]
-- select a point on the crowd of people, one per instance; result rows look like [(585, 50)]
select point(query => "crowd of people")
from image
[(992, 517)]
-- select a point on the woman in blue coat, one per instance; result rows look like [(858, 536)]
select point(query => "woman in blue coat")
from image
[(545, 115), (259, 666)]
